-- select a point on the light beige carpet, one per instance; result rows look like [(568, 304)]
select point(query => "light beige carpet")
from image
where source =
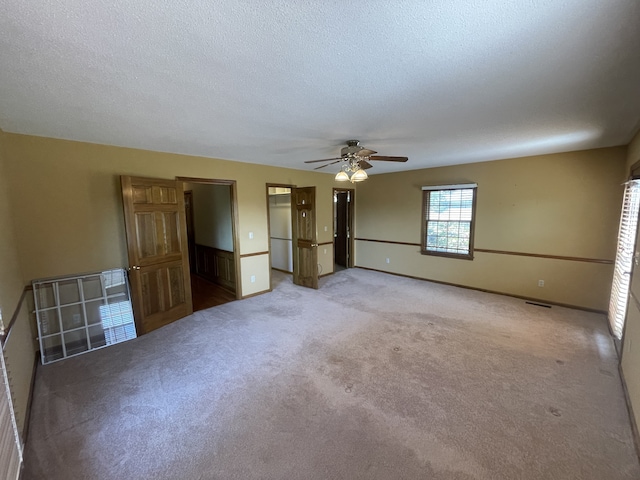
[(371, 377)]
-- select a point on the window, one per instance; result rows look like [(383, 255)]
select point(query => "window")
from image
[(624, 257), (448, 217)]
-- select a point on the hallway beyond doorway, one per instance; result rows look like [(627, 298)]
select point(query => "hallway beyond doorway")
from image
[(207, 294)]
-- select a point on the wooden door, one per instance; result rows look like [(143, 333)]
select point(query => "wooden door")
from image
[(157, 245), (305, 242)]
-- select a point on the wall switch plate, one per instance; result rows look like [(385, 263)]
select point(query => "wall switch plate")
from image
[(325, 251), (541, 283), (325, 228), (253, 279), (387, 260), (250, 235)]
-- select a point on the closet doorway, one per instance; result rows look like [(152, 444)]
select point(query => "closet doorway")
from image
[(280, 232)]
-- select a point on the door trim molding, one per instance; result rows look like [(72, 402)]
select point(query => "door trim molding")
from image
[(211, 181)]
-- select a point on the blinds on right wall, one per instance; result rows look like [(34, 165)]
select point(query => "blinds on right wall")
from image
[(624, 257), (10, 443)]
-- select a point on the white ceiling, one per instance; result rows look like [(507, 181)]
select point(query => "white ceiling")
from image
[(280, 82)]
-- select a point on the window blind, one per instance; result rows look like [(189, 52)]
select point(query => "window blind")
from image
[(448, 213), (624, 257), (10, 443)]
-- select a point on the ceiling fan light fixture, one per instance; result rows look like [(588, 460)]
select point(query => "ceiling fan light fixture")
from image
[(342, 176), (359, 175), (355, 160)]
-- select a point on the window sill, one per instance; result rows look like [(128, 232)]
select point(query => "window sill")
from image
[(448, 255)]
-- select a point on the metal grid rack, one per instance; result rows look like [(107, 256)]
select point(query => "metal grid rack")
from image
[(82, 313)]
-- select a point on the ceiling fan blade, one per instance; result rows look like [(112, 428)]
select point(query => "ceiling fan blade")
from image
[(365, 152), (323, 160), (322, 166), (364, 164), (389, 159)]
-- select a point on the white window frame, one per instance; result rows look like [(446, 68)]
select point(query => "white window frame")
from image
[(426, 197)]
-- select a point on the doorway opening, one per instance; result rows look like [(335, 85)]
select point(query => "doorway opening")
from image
[(293, 243), (280, 233), (343, 219), (210, 211)]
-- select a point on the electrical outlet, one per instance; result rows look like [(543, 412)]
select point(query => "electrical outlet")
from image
[(325, 251), (77, 319), (326, 228), (387, 260), (541, 283), (253, 279)]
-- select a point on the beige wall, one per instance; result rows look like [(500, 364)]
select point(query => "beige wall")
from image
[(556, 205), (212, 220), (630, 362), (11, 279), (19, 349), (68, 208)]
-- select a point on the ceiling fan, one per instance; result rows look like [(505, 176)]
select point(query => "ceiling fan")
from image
[(355, 160)]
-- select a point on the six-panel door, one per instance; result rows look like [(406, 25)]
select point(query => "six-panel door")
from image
[(305, 246), (158, 251)]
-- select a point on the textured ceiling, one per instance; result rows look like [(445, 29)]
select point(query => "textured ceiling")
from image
[(280, 82)]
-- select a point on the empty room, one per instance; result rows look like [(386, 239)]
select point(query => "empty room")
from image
[(330, 240)]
